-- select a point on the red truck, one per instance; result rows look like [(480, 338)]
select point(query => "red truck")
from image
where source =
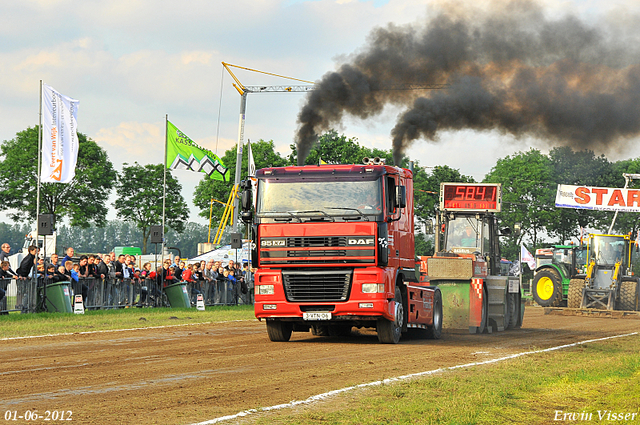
[(334, 249)]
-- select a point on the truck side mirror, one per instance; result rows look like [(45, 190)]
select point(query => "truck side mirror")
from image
[(247, 195), (246, 216), (401, 196)]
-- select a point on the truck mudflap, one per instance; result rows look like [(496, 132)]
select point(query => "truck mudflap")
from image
[(420, 303)]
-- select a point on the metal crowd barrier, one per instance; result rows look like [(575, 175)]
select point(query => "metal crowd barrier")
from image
[(221, 292), (21, 295)]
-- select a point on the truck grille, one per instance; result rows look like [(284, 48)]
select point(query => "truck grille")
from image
[(317, 285), (317, 253), (317, 241), (317, 250)]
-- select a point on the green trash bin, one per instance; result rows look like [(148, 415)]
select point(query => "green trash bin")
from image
[(58, 297), (178, 295)]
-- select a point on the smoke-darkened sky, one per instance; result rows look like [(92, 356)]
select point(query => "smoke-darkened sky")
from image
[(514, 68)]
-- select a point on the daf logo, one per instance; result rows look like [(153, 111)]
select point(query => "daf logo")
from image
[(360, 241), (268, 243)]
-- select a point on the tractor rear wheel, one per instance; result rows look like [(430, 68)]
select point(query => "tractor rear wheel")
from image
[(628, 295), (574, 298), (547, 288)]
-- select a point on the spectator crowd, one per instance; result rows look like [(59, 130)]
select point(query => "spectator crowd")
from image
[(219, 283)]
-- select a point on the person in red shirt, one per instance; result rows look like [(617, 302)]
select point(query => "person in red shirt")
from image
[(187, 274)]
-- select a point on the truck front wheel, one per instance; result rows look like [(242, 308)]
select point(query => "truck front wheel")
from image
[(389, 332), (279, 330)]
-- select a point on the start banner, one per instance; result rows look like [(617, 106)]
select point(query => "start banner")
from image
[(598, 198)]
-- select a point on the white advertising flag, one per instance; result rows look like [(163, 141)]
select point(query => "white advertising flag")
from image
[(252, 164), (526, 257), (252, 173), (59, 137)]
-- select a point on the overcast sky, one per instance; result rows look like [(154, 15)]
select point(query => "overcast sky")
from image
[(131, 62)]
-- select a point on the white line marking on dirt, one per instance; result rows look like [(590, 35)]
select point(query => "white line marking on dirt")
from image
[(116, 330), (323, 396)]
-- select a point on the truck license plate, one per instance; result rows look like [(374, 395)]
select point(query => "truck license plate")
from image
[(316, 315)]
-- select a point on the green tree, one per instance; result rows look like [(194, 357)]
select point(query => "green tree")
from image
[(187, 241), (426, 187), (140, 191), (83, 200), (338, 149), (13, 234), (528, 195), (424, 244), (264, 155)]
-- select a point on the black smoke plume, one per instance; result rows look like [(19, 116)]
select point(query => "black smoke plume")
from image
[(513, 69)]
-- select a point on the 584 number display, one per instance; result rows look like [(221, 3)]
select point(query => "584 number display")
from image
[(49, 415)]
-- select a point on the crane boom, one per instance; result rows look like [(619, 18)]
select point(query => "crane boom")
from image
[(278, 89)]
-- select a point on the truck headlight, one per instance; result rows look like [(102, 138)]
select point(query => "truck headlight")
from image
[(266, 289), (372, 288)]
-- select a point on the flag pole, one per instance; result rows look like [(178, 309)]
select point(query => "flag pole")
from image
[(521, 266), (38, 171), (164, 182), (243, 111)]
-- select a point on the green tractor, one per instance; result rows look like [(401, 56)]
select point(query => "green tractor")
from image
[(609, 282), (555, 267)]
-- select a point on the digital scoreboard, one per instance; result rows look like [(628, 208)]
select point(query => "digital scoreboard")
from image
[(470, 197)]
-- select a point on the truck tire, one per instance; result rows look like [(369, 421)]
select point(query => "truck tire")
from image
[(547, 288), (435, 331), (574, 297), (389, 332), (279, 330), (628, 295)]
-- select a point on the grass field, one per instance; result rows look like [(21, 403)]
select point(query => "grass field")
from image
[(592, 381), (19, 325)]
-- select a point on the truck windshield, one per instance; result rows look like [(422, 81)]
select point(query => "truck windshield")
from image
[(322, 198)]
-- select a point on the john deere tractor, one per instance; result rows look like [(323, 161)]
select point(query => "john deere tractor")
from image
[(609, 282), (555, 267)]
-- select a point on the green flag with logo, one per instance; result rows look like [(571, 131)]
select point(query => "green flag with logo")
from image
[(184, 154)]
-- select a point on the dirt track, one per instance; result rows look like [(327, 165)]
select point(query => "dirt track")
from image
[(195, 373)]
